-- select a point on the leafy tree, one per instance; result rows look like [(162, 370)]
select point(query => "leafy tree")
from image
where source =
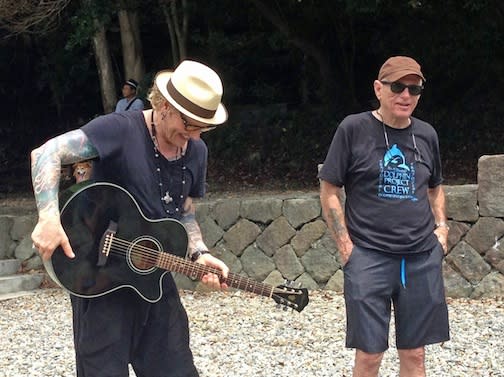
[(292, 70)]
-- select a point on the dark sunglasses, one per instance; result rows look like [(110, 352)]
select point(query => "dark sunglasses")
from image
[(192, 127), (398, 87)]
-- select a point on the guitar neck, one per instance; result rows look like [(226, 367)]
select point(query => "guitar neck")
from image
[(195, 270)]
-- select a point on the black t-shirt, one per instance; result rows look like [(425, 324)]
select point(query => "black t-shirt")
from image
[(387, 205), (127, 158)]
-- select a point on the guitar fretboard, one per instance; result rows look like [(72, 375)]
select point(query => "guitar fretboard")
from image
[(195, 270)]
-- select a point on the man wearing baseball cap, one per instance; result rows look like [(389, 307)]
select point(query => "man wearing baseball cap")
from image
[(130, 101), (158, 156), (391, 232)]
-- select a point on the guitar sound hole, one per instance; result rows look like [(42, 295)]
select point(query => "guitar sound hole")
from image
[(143, 255)]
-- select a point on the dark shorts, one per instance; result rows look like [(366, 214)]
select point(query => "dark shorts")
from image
[(373, 283), (119, 328)]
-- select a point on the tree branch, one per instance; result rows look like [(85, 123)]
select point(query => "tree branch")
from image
[(30, 16)]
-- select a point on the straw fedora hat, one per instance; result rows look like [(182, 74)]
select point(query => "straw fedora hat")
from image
[(195, 90)]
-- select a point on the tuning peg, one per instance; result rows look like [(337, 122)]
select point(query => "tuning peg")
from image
[(285, 308)]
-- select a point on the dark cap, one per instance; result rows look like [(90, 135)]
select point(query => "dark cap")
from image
[(132, 83), (399, 66)]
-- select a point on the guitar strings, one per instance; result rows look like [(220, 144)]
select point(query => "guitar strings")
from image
[(122, 247), (153, 256)]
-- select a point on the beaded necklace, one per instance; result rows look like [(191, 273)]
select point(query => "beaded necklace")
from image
[(170, 204)]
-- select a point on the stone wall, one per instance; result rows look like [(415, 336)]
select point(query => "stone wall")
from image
[(283, 237), (474, 266)]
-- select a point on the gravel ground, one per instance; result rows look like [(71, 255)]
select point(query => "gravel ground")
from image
[(238, 334)]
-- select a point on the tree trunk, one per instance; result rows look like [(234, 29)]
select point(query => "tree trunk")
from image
[(131, 45), (173, 35), (178, 26), (104, 66)]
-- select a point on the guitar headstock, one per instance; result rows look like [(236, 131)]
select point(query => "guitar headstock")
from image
[(295, 298)]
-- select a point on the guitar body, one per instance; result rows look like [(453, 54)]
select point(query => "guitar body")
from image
[(99, 209), (116, 247)]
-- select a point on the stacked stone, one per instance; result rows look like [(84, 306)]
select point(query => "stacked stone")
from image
[(15, 240), (271, 239), (276, 238), (475, 264)]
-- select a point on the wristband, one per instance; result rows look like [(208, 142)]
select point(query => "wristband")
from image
[(442, 224), (197, 254)]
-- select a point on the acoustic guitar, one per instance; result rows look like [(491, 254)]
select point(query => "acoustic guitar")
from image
[(117, 247)]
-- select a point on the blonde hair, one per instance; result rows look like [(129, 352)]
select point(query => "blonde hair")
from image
[(154, 96)]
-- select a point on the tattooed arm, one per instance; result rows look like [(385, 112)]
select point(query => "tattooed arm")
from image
[(198, 251), (332, 210), (46, 164)]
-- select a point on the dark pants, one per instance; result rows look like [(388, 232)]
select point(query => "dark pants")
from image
[(413, 284), (119, 328)]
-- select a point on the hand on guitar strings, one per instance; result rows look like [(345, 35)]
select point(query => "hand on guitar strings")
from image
[(214, 281)]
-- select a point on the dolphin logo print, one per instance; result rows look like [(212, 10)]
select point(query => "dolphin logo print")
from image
[(396, 157)]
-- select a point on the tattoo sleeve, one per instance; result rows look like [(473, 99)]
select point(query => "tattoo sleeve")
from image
[(196, 242), (332, 210), (46, 164), (336, 223)]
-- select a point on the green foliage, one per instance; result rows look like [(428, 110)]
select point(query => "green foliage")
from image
[(83, 21), (278, 141), (291, 71)]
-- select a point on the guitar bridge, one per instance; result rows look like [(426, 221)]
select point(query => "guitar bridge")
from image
[(106, 243)]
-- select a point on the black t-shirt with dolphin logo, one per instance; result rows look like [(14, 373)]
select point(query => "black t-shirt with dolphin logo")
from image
[(387, 205)]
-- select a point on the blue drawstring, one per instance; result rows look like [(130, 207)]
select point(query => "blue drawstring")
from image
[(403, 272)]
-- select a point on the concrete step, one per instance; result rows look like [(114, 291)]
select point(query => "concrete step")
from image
[(9, 296), (9, 266), (20, 282)]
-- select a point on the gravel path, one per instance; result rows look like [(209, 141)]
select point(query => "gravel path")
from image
[(237, 334)]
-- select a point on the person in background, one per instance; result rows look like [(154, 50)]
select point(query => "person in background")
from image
[(130, 101), (158, 156), (392, 233)]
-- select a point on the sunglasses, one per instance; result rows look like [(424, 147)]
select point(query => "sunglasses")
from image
[(192, 127), (398, 87)]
